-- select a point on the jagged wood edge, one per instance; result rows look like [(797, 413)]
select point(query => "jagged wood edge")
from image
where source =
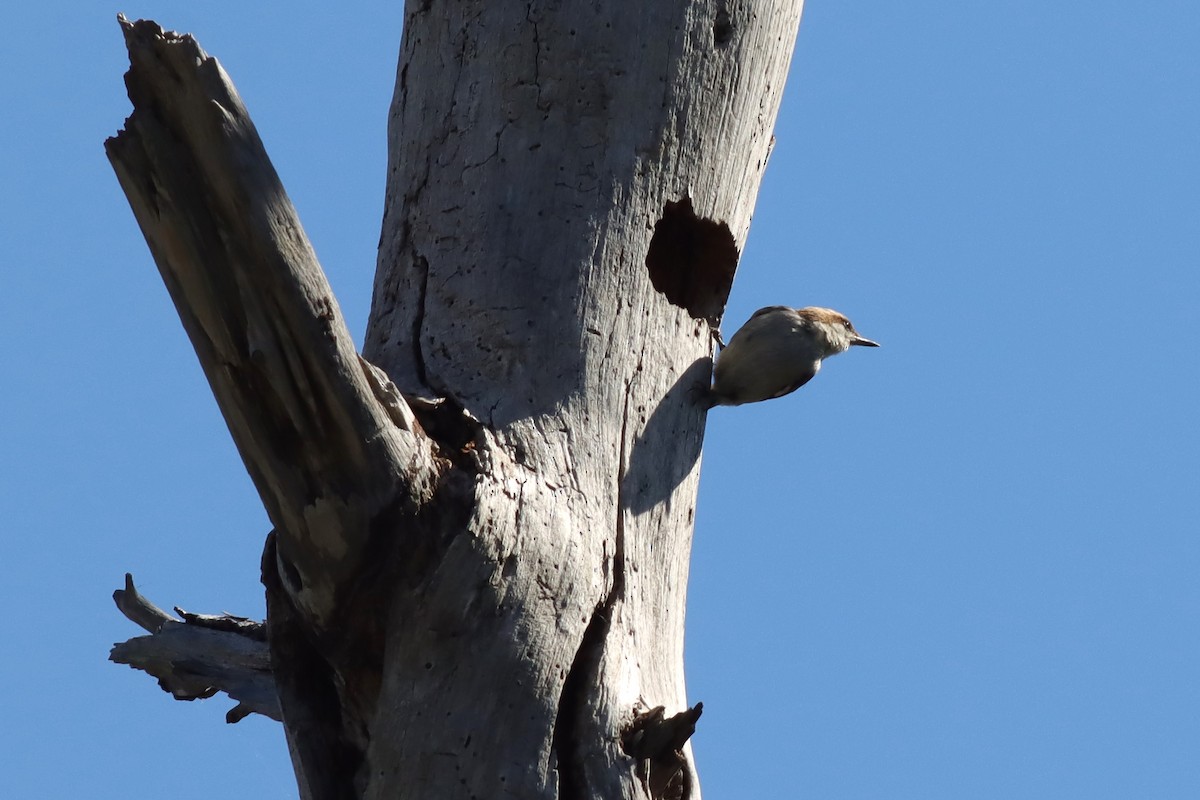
[(334, 450), (330, 445), (195, 657)]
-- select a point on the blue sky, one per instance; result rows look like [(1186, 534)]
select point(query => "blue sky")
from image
[(964, 565)]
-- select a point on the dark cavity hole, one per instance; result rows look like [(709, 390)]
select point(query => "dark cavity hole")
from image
[(692, 260), (722, 29)]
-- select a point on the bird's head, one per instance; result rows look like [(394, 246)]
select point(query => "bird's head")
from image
[(832, 330)]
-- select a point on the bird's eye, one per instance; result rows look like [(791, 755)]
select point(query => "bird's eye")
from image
[(846, 324)]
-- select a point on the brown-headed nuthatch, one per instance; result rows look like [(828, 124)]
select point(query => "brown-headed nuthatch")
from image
[(777, 351)]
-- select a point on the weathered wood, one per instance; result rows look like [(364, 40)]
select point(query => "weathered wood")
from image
[(569, 187), (657, 742), (477, 583), (138, 609), (323, 452), (199, 655)]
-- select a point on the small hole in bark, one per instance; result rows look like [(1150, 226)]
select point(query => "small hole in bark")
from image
[(722, 29), (692, 260)]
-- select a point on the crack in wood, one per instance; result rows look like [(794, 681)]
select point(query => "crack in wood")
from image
[(573, 707), (422, 266)]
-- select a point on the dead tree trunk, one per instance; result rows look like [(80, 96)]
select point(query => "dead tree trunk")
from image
[(477, 578)]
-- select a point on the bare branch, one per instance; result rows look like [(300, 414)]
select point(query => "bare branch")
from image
[(200, 656), (327, 456), (138, 609)]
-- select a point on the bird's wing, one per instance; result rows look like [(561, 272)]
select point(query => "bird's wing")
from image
[(793, 387), (769, 310)]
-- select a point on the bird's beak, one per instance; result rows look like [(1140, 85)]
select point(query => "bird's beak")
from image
[(863, 342)]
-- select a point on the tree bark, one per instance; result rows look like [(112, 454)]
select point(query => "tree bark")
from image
[(476, 583)]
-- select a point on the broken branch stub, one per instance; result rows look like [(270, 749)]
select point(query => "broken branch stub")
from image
[(200, 655), (328, 458)]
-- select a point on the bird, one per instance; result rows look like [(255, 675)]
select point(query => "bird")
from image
[(777, 351)]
